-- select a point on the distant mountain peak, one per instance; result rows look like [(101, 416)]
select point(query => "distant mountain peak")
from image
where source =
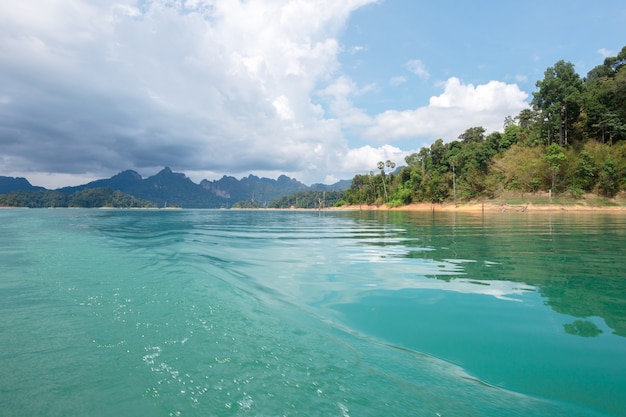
[(10, 184), (128, 174)]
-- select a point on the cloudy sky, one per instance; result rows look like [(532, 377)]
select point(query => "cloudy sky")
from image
[(316, 89)]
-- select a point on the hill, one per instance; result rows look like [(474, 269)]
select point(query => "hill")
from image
[(11, 184)]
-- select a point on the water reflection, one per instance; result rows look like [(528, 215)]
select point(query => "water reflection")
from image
[(574, 261), (582, 328), (502, 290)]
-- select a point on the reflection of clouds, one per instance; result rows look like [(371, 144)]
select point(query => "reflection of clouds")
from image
[(373, 254), (502, 290), (388, 249), (396, 250), (498, 289), (347, 273)]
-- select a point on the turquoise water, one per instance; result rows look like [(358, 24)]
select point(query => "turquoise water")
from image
[(272, 313)]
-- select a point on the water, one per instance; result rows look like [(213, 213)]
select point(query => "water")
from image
[(272, 313)]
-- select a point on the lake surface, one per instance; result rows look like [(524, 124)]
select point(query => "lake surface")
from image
[(272, 313)]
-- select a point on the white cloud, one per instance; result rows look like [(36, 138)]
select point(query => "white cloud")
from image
[(356, 49), (605, 53), (418, 68), (55, 180), (398, 80), (281, 104), (459, 107), (521, 78), (364, 159), (340, 92)]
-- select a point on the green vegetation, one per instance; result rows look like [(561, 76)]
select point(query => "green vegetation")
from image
[(303, 199), (91, 197), (571, 142), (246, 204)]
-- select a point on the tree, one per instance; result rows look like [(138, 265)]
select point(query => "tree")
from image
[(609, 184), (555, 158), (559, 99), (437, 151), (473, 134), (391, 166), (605, 99), (381, 166), (585, 171), (609, 123), (453, 163), (509, 137)]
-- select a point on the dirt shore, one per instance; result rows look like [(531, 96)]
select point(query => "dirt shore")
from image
[(492, 207)]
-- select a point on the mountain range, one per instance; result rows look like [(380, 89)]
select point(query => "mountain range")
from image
[(167, 188)]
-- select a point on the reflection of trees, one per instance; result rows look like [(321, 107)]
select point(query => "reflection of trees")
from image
[(582, 328), (574, 262)]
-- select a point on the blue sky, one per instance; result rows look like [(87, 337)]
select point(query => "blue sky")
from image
[(319, 90)]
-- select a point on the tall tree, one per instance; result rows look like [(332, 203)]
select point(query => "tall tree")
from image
[(559, 98), (605, 99), (391, 165), (381, 166)]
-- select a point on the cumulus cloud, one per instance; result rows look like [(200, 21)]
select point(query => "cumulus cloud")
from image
[(459, 107), (365, 158)]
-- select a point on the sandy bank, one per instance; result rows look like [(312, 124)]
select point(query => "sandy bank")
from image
[(491, 207)]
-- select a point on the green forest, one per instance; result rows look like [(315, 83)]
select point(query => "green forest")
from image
[(299, 200), (89, 198), (571, 141)]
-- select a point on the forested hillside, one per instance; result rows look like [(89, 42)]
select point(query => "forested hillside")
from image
[(308, 199), (89, 198), (571, 140)]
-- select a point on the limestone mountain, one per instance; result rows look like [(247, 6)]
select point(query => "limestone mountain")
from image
[(176, 189)]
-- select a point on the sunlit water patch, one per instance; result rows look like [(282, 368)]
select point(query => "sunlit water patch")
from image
[(304, 313)]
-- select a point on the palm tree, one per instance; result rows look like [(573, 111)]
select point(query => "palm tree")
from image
[(381, 166), (391, 166)]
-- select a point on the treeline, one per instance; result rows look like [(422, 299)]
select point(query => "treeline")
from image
[(87, 198), (302, 199), (308, 199), (571, 140)]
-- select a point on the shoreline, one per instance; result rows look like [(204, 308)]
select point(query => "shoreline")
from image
[(488, 207), (617, 205)]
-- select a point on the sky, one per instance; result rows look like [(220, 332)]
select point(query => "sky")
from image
[(318, 90)]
